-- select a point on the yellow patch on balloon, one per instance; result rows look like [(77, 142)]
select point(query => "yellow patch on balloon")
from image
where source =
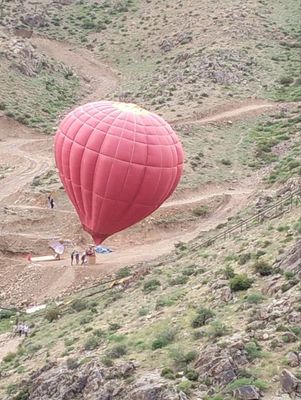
[(130, 107)]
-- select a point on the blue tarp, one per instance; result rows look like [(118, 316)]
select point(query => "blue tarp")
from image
[(102, 250)]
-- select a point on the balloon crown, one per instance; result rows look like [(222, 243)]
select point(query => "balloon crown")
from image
[(129, 107)]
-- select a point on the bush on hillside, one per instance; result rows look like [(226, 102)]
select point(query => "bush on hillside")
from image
[(202, 317), (52, 314), (240, 282), (263, 268), (151, 285)]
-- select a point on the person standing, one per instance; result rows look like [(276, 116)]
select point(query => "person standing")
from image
[(83, 258), (72, 256)]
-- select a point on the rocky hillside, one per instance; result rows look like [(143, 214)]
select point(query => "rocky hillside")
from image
[(215, 322)]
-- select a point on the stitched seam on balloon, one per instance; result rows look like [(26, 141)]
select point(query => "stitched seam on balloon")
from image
[(108, 178), (99, 155), (79, 193), (133, 199), (70, 187), (105, 155), (97, 161), (130, 162)]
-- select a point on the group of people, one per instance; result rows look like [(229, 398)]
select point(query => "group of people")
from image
[(77, 258), (22, 329)]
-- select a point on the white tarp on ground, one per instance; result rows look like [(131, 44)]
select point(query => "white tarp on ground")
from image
[(58, 247)]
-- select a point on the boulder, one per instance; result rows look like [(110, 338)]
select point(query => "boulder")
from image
[(291, 260), (293, 359), (221, 366), (246, 392), (289, 383)]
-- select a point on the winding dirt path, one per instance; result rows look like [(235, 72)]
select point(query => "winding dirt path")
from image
[(100, 78), (251, 108)]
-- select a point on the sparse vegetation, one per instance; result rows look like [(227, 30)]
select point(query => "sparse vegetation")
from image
[(202, 317), (240, 282)]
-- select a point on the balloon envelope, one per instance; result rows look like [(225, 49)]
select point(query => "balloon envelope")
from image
[(118, 163)]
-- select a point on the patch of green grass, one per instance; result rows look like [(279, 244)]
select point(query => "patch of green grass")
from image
[(164, 338), (254, 298), (253, 351), (263, 268), (204, 315), (217, 329), (42, 97), (151, 285), (240, 282), (261, 385), (92, 343), (116, 351)]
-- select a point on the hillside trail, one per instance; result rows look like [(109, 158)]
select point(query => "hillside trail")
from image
[(250, 107)]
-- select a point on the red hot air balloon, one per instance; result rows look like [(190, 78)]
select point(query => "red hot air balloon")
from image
[(118, 163)]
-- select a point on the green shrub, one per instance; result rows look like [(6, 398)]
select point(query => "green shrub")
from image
[(52, 314), (72, 363), (247, 381), (263, 268), (244, 258), (164, 338), (254, 298), (229, 272), (9, 357), (202, 317), (217, 329), (240, 282), (192, 375), (182, 359), (143, 311), (79, 305), (185, 386), (201, 211), (23, 394), (117, 351), (114, 326), (192, 270), (6, 314), (107, 361), (286, 80), (151, 285), (179, 280), (289, 275), (226, 162), (86, 319), (123, 273), (167, 373), (253, 351), (91, 343)]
